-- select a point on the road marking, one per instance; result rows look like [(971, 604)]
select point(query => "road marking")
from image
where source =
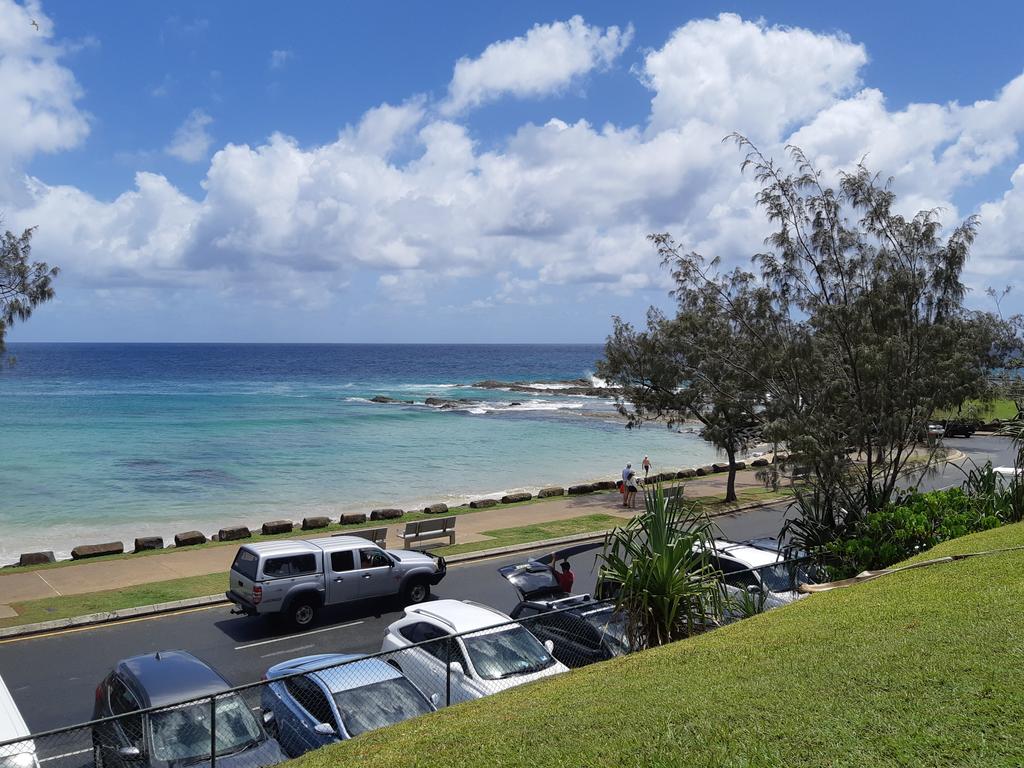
[(296, 637), (66, 754), (49, 584), (105, 625), (282, 653)]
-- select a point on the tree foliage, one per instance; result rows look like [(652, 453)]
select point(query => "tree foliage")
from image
[(842, 337), (23, 284)]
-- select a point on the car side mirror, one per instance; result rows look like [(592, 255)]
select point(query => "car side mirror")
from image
[(129, 753), (753, 589), (324, 729), (268, 717), (434, 699), (550, 646), (456, 668)]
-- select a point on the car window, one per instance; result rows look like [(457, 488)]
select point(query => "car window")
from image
[(525, 610), (293, 565), (246, 564), (373, 558), (311, 698), (342, 561), (734, 573), (182, 733), (442, 650), (122, 702)]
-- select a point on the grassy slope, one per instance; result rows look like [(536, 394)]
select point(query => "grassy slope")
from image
[(921, 668), (998, 409)]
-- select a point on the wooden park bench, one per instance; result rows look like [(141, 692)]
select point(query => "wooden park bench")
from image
[(423, 530), (378, 536)]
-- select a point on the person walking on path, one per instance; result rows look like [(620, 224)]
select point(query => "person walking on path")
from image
[(647, 467)]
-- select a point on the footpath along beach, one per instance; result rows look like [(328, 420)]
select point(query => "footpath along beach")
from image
[(63, 581)]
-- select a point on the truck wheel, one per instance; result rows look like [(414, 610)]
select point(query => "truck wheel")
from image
[(416, 591), (302, 612)]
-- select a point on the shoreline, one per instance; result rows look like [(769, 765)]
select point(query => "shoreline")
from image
[(128, 533)]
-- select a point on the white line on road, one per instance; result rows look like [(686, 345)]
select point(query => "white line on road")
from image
[(66, 754), (296, 637), (282, 653)]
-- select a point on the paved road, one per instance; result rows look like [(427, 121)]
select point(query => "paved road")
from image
[(53, 677)]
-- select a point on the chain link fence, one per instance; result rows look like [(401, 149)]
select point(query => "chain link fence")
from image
[(313, 701)]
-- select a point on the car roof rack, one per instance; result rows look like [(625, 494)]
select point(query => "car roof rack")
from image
[(475, 604), (435, 616)]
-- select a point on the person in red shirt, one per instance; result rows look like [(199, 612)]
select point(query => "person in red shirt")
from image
[(565, 577)]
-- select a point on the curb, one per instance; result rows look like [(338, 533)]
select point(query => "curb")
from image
[(111, 617)]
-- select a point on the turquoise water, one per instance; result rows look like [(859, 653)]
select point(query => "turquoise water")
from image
[(109, 442)]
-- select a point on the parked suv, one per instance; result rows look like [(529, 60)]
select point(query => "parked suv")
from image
[(176, 733), (581, 629), (485, 660), (758, 565), (296, 578)]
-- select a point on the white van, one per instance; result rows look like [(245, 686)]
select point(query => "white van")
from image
[(20, 754)]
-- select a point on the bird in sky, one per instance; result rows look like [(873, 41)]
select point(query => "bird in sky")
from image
[(35, 24)]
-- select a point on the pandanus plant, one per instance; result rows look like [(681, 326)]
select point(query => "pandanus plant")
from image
[(657, 567)]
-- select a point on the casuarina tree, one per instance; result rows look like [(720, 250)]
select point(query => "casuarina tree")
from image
[(23, 284), (844, 335)]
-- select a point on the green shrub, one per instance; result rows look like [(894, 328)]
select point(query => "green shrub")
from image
[(911, 523)]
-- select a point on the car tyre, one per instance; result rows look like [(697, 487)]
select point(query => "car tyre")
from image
[(416, 591), (302, 613)]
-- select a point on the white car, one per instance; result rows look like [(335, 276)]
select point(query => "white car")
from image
[(759, 565), (494, 654), (20, 754)]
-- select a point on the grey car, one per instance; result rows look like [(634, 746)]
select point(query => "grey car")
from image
[(296, 578), (155, 728), (339, 696)]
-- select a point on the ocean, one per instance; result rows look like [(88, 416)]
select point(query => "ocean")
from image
[(106, 442)]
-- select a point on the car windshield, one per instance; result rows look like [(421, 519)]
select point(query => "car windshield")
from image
[(612, 626), (787, 577), (506, 653), (384, 703), (183, 733)]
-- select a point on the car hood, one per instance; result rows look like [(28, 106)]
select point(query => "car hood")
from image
[(411, 557), (511, 682), (262, 755)]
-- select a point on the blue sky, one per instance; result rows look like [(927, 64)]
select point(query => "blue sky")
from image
[(465, 171)]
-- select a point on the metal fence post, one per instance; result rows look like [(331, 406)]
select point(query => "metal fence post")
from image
[(448, 672), (213, 731)]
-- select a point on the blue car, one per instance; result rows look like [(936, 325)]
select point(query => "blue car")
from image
[(330, 703)]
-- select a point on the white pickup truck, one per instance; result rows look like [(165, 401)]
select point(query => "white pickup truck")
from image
[(296, 578)]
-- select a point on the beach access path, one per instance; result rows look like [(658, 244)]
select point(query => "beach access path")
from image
[(86, 577)]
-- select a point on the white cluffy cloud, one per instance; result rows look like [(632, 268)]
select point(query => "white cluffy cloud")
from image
[(548, 205), (543, 61), (37, 93), (192, 142), (278, 58)]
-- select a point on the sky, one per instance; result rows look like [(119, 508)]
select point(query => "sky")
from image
[(468, 172)]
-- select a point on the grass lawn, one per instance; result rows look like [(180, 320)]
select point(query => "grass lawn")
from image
[(924, 668), (504, 537), (47, 609), (998, 409)]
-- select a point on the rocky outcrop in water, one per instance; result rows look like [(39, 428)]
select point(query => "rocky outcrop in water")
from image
[(568, 387)]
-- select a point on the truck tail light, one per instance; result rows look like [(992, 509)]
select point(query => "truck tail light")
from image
[(257, 594)]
